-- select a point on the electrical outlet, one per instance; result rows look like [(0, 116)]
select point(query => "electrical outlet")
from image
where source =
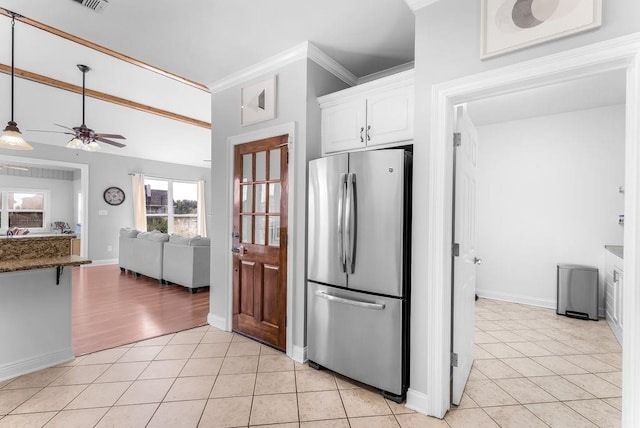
[(109, 248)]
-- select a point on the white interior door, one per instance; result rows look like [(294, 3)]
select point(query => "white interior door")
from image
[(464, 262)]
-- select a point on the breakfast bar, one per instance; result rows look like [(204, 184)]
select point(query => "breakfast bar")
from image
[(35, 302)]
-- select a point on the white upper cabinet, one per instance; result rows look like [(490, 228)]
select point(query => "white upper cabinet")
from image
[(343, 126), (371, 114)]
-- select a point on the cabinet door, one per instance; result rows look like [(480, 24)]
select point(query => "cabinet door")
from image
[(343, 126), (620, 296), (390, 116)]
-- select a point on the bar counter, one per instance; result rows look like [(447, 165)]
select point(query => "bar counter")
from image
[(35, 302)]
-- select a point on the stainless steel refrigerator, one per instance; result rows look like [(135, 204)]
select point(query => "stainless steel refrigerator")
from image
[(358, 267)]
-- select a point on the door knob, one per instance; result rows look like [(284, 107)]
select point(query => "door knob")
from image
[(477, 261)]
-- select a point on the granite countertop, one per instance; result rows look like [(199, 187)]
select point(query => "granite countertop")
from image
[(616, 250), (42, 263), (41, 236)]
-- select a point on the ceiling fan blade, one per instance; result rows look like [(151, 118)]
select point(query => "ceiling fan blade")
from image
[(62, 126), (111, 136), (53, 132), (113, 143)]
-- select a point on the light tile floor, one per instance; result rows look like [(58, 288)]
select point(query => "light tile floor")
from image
[(532, 368)]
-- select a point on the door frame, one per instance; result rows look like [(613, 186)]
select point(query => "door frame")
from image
[(292, 247), (619, 53)]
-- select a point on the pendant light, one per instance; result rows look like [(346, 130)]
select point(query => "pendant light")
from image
[(11, 137)]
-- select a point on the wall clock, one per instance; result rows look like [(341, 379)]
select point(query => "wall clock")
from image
[(113, 196)]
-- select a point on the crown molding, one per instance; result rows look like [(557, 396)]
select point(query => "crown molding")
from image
[(416, 5), (272, 64), (384, 73), (331, 65)]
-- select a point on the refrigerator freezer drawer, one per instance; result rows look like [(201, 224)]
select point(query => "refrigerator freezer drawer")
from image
[(357, 335)]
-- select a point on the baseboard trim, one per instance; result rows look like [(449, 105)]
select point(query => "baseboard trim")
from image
[(102, 262), (515, 298), (299, 353), (217, 322), (19, 368), (417, 401)]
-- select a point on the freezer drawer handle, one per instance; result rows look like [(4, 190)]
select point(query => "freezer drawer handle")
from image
[(324, 295)]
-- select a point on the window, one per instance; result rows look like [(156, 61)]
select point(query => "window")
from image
[(172, 206), (24, 208)]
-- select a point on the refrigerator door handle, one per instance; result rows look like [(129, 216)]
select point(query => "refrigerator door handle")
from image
[(351, 222), (341, 252), (367, 305)]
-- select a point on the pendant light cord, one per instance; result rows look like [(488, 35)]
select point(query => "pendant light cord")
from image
[(84, 74), (13, 28)]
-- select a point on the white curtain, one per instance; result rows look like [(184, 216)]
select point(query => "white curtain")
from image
[(202, 210), (139, 202)]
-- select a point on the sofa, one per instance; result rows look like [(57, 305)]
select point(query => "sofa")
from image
[(167, 258), (125, 248), (148, 253), (186, 262)]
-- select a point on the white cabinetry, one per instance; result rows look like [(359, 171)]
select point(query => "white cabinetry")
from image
[(378, 113), (614, 293)]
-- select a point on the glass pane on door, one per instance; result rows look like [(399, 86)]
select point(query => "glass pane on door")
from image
[(247, 198), (261, 166), (260, 229), (274, 197), (247, 168), (247, 236), (274, 230), (274, 164), (261, 198)]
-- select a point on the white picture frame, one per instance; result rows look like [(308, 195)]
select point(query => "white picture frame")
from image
[(508, 25), (258, 101)]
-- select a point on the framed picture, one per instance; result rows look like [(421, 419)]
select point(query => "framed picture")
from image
[(258, 101), (508, 25)]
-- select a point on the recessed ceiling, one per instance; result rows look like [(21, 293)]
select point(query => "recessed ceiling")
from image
[(209, 40), (599, 90)]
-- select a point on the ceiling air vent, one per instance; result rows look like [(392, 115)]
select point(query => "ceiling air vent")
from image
[(95, 5)]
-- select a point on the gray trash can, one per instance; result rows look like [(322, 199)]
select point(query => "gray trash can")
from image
[(577, 291)]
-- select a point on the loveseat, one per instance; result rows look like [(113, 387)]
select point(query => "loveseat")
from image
[(186, 261)]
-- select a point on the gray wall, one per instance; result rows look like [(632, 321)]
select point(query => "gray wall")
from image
[(106, 170), (297, 86), (61, 194), (448, 47)]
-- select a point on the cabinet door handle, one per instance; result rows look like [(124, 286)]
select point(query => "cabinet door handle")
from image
[(361, 131), (368, 135)]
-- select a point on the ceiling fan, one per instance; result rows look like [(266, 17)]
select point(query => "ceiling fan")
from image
[(84, 137)]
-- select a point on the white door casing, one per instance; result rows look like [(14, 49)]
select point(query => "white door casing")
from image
[(464, 258), (619, 53)]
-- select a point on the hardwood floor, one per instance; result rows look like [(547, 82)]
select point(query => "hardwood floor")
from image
[(111, 308)]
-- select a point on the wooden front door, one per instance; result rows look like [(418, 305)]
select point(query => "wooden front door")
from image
[(260, 240)]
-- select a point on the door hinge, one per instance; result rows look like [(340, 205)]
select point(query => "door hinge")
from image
[(454, 359), (457, 139), (456, 250), (287, 158), (286, 321)]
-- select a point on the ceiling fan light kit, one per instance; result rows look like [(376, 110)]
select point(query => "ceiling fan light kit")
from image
[(11, 137)]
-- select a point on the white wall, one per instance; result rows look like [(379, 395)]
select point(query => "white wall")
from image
[(547, 194), (448, 47), (61, 194)]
